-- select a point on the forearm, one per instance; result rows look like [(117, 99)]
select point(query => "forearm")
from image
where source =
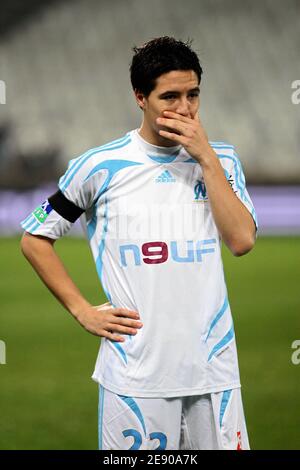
[(105, 322), (41, 255), (233, 220)]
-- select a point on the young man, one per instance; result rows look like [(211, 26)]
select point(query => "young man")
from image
[(157, 203)]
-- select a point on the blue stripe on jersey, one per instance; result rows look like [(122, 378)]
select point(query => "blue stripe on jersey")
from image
[(24, 222), (224, 341), (112, 166), (34, 227), (67, 178), (134, 407), (220, 147), (218, 316), (240, 182), (223, 145), (99, 267), (224, 403), (242, 178), (108, 297), (33, 223), (99, 264), (120, 349), (100, 415), (92, 224), (74, 163), (162, 159), (238, 172), (28, 221)]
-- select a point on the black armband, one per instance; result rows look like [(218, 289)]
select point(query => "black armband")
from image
[(67, 209)]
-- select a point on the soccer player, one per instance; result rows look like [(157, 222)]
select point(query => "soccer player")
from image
[(156, 205)]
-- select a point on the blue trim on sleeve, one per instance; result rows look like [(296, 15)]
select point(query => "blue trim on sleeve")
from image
[(30, 220), (240, 182), (33, 228), (221, 145), (25, 221), (31, 225)]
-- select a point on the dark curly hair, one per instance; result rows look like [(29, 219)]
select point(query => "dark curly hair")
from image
[(159, 56)]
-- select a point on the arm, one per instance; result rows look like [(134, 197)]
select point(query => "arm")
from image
[(233, 220), (106, 321)]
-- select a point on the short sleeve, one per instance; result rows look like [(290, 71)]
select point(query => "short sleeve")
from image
[(81, 182), (79, 186), (236, 178)]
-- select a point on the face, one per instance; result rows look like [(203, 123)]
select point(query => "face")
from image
[(176, 91)]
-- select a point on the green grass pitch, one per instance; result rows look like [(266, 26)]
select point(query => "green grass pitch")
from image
[(47, 399)]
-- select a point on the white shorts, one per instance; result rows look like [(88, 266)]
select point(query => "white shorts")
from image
[(204, 422)]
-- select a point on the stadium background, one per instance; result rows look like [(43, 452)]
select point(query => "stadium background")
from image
[(64, 87)]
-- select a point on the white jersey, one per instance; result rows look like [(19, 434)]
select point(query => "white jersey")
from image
[(157, 251)]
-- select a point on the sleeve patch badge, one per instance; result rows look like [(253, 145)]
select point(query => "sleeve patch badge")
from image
[(41, 213)]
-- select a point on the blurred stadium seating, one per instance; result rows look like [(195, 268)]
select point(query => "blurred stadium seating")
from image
[(65, 65), (65, 68)]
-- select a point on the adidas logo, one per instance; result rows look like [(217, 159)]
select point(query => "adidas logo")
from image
[(165, 177)]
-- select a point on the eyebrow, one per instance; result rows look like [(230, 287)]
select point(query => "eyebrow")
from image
[(175, 92)]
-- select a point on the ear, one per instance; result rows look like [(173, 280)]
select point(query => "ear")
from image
[(140, 99)]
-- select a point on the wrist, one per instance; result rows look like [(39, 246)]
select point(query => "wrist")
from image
[(78, 308), (208, 160)]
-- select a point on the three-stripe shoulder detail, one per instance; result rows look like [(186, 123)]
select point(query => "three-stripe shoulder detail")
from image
[(77, 164)]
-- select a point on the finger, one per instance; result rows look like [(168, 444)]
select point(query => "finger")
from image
[(115, 328), (119, 311), (108, 334), (197, 117), (172, 124), (113, 337), (125, 322), (179, 139), (178, 117), (123, 312)]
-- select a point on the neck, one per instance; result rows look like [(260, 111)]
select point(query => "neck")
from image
[(152, 137)]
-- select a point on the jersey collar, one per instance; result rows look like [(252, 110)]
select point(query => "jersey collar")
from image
[(156, 153)]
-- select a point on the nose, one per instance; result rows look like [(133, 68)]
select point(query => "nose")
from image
[(183, 107)]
